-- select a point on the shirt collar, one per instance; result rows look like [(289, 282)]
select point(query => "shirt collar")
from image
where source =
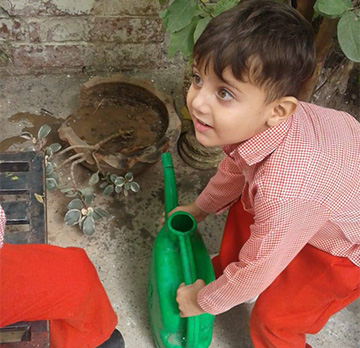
[(261, 145)]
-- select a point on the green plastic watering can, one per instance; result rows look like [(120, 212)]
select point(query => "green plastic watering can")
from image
[(179, 255)]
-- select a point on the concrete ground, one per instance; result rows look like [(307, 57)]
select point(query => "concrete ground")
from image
[(121, 247)]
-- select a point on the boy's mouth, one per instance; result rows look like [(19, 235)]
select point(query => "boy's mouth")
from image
[(201, 125)]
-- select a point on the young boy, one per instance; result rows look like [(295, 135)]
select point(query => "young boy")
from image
[(291, 177)]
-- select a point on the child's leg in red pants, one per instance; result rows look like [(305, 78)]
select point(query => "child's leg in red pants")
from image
[(313, 287), (43, 282)]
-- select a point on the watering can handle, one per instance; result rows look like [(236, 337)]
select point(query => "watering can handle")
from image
[(187, 258), (189, 278)]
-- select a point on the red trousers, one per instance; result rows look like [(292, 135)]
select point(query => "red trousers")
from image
[(44, 282), (313, 287)]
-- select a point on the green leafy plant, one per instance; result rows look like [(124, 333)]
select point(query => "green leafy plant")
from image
[(38, 143), (80, 210), (113, 184), (348, 27), (185, 20)]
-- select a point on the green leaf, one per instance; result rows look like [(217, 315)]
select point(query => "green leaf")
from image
[(75, 204), (55, 176), (101, 212), (51, 184), (119, 181), (113, 177), (86, 191), (348, 33), (164, 15), (26, 135), (118, 189), (332, 8), (65, 189), (127, 186), (108, 190), (103, 184), (203, 22), (49, 168), (54, 147), (96, 216), (88, 226), (223, 5), (82, 221), (183, 40), (48, 151), (88, 198), (72, 217), (135, 187), (181, 13), (94, 179), (44, 131), (129, 176)]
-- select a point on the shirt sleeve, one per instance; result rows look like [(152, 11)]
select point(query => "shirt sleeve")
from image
[(223, 189), (281, 229), (2, 226)]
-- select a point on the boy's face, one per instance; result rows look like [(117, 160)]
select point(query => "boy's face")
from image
[(225, 112)]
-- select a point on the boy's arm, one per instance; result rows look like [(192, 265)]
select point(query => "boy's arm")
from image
[(281, 229), (223, 189)]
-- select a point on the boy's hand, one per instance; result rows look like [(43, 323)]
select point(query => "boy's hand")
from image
[(192, 209), (187, 299)]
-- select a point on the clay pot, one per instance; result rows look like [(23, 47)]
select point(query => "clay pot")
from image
[(196, 155), (131, 122)]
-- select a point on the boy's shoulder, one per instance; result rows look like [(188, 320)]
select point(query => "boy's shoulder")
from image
[(321, 149), (319, 128), (311, 112)]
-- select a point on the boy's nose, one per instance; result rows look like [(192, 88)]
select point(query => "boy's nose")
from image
[(200, 102)]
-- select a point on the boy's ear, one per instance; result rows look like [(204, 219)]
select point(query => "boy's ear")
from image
[(282, 109)]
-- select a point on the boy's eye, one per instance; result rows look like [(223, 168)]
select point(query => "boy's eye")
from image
[(196, 79), (225, 94)]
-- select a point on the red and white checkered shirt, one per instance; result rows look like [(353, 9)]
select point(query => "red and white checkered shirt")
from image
[(2, 226), (301, 180)]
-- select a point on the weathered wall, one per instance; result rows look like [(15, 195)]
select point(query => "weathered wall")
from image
[(64, 35)]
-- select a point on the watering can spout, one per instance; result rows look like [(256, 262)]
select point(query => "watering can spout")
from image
[(171, 197)]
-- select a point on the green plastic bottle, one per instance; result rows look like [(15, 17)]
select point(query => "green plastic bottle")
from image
[(179, 255)]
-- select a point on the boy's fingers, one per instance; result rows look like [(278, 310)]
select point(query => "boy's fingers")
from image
[(200, 282), (181, 285)]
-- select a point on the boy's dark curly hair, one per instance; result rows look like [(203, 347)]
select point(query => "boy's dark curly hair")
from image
[(264, 42)]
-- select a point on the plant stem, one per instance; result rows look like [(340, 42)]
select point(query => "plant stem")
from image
[(82, 159), (113, 136), (96, 160), (78, 155), (90, 147), (97, 108)]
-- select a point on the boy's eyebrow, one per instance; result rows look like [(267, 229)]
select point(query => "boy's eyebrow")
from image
[(231, 85)]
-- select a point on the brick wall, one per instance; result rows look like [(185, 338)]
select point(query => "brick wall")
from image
[(64, 35)]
